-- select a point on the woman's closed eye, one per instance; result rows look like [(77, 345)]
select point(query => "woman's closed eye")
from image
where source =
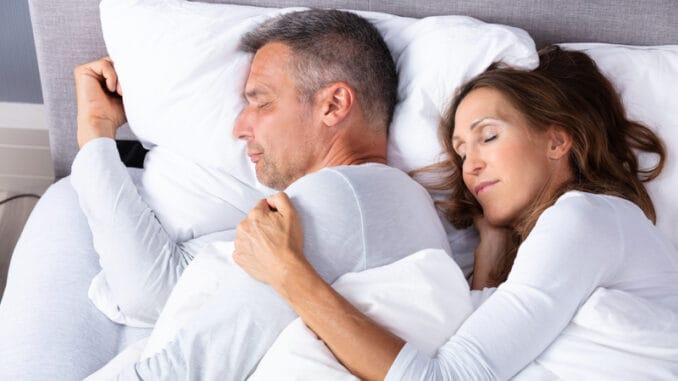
[(460, 149), (488, 132)]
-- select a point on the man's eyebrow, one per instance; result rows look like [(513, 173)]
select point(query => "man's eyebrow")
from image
[(252, 93), (256, 91)]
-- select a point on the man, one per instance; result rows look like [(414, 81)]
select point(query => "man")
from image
[(320, 92)]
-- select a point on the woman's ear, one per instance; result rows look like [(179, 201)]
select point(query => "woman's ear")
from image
[(335, 101), (559, 142)]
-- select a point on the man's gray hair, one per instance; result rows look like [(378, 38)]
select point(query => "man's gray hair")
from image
[(331, 46)]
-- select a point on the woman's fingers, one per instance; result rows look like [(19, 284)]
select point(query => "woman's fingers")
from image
[(269, 239), (281, 203)]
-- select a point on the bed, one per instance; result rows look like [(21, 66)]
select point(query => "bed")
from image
[(54, 261)]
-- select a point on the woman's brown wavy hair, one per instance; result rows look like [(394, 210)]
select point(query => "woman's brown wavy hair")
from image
[(569, 91)]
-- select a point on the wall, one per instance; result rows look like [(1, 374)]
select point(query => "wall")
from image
[(25, 163), (19, 78)]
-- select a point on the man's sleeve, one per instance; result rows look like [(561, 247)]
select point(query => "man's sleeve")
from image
[(328, 206), (140, 261), (230, 334), (226, 339)]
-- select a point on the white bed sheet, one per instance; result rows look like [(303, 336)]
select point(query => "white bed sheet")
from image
[(45, 314)]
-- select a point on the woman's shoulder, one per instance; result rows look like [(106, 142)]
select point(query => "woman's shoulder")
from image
[(594, 204), (590, 214), (578, 228), (583, 212)]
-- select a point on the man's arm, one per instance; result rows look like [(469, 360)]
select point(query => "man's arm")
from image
[(141, 262)]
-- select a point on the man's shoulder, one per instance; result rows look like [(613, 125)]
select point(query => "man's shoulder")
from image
[(364, 189), (354, 178)]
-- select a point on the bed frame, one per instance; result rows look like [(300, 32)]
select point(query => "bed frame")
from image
[(68, 32)]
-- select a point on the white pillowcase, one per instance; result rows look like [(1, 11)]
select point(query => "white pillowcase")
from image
[(647, 79), (434, 56), (182, 79)]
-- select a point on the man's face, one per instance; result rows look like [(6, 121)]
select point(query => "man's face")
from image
[(277, 126)]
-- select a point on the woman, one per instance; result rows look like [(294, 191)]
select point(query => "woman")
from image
[(543, 163)]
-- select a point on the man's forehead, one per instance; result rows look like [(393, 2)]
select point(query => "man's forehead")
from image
[(270, 66), (272, 59)]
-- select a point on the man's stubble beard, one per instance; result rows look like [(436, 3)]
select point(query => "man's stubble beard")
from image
[(273, 177)]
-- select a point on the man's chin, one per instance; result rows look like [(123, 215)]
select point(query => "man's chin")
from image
[(268, 176), (271, 182)]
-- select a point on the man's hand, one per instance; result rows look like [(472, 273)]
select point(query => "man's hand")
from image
[(269, 243), (100, 109)]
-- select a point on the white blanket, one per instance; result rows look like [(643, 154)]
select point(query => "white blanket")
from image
[(424, 299), (613, 336), (386, 294)]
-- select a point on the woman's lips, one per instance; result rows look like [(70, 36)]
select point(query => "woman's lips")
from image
[(484, 185)]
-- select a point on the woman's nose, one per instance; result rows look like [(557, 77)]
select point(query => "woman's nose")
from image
[(473, 163)]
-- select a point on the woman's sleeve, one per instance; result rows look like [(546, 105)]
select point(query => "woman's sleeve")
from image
[(575, 247)]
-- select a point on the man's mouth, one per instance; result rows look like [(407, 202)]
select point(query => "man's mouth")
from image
[(254, 156)]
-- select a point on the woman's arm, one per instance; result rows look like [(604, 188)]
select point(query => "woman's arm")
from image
[(269, 246), (568, 254)]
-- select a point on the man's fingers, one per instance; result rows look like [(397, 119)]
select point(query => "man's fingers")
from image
[(108, 72), (103, 71)]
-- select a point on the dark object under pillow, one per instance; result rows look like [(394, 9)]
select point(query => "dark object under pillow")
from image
[(132, 153)]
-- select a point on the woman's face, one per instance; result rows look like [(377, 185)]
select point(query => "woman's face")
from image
[(505, 163)]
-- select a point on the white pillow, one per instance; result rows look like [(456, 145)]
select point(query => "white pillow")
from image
[(434, 56), (182, 79), (647, 79)]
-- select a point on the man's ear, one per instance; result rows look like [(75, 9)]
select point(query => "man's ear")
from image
[(559, 142), (336, 101)]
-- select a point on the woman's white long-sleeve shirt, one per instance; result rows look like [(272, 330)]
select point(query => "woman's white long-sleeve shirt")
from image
[(582, 242)]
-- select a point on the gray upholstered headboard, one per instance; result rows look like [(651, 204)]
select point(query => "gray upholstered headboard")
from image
[(68, 32)]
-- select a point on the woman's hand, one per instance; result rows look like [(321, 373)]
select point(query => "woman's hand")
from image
[(269, 242), (491, 254)]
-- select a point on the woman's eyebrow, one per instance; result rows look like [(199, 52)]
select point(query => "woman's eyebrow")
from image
[(477, 122), (474, 124)]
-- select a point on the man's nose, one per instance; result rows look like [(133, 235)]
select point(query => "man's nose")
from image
[(242, 129)]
